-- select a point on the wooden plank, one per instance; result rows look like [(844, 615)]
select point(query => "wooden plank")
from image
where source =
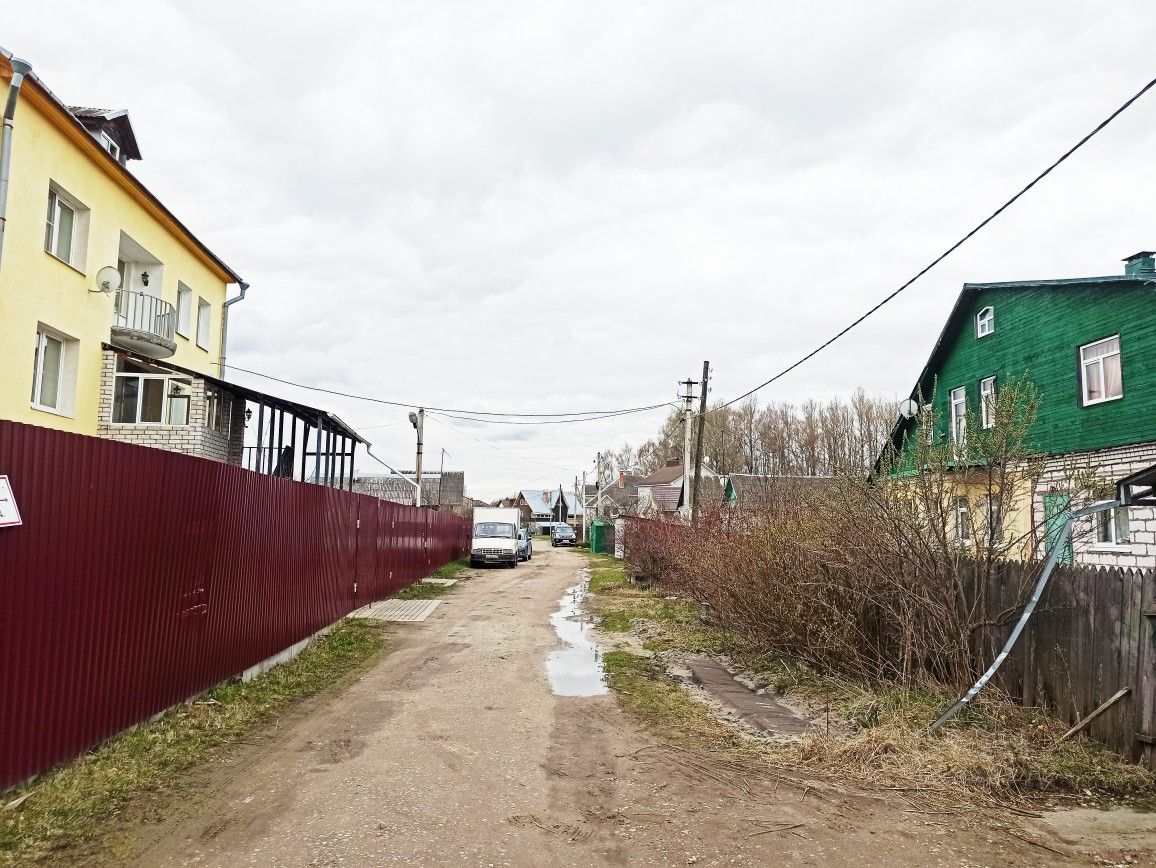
[(1100, 709), (1145, 692), (1103, 657), (1133, 632)]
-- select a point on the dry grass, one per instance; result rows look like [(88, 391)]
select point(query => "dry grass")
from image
[(872, 736), (80, 811)]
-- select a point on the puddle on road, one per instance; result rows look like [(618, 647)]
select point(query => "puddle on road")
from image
[(575, 669)]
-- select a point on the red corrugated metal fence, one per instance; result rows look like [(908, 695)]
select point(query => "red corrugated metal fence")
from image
[(140, 578)]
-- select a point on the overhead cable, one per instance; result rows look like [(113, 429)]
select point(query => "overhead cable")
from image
[(948, 251), (579, 414)]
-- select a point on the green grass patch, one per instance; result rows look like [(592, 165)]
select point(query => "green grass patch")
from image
[(86, 810), (421, 591), (646, 691), (451, 570)]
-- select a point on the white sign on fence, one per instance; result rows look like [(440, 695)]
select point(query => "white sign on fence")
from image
[(9, 511)]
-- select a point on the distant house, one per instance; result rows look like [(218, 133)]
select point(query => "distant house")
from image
[(618, 497), (446, 491), (539, 505), (760, 492), (660, 492), (1088, 345)]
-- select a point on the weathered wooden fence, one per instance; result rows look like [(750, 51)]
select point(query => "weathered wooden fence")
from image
[(1093, 634)]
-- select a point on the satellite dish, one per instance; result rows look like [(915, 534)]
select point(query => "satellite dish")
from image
[(107, 280), (909, 408)]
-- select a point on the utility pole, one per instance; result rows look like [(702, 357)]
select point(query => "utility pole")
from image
[(441, 477), (585, 510), (698, 444), (417, 420), (687, 397)]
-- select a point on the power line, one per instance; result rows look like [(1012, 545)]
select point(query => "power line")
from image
[(596, 414), (949, 250), (613, 415), (505, 451)]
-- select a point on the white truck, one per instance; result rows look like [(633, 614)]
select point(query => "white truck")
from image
[(495, 538)]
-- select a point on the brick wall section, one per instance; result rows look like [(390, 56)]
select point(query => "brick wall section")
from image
[(1108, 465), (191, 439)]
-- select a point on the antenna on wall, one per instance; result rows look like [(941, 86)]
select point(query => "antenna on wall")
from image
[(107, 280)]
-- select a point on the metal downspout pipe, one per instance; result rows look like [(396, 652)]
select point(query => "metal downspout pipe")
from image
[(20, 68), (225, 325), (1061, 541)]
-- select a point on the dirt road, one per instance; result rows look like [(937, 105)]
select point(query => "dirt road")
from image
[(453, 751)]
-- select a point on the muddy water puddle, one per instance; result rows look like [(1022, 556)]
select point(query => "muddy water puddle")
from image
[(575, 669)]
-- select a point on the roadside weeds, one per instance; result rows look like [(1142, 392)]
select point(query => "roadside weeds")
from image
[(871, 735), (83, 811)]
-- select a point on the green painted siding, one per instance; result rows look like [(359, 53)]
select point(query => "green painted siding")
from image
[(1038, 333)]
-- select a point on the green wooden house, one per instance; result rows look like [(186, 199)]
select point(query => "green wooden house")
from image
[(1089, 346)]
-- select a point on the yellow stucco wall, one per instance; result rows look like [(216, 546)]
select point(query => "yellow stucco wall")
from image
[(36, 287)]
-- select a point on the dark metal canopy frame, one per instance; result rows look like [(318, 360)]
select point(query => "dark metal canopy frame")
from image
[(289, 434)]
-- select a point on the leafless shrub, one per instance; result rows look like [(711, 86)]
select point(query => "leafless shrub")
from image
[(881, 579)]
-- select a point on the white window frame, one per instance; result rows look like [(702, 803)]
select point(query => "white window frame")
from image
[(957, 399), (109, 145), (987, 398), (1096, 364), (962, 521), (985, 322), (65, 375), (77, 243), (184, 310), (204, 323), (993, 518), (166, 410), (1110, 529)]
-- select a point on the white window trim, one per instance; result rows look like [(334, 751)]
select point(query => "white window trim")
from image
[(66, 383), (963, 522), (958, 433), (207, 336), (140, 396), (987, 403), (1085, 364), (184, 311), (78, 248), (982, 321), (1114, 546)]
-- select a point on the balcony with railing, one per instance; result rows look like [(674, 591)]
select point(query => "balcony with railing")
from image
[(144, 324)]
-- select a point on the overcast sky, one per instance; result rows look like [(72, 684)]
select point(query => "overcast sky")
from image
[(545, 207)]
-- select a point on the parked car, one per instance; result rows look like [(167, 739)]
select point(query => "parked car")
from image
[(525, 545), (495, 536), (563, 535)]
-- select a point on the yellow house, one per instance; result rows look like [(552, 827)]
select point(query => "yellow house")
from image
[(114, 316), (92, 263)]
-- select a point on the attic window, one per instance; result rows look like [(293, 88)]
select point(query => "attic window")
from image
[(109, 145), (985, 322)]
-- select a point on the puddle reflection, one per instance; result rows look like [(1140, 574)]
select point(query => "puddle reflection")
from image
[(575, 669)]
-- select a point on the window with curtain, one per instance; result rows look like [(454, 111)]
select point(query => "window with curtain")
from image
[(987, 402), (1101, 374), (959, 415)]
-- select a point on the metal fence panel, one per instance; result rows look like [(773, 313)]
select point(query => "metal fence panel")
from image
[(141, 578)]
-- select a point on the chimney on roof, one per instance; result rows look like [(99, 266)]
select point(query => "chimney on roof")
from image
[(673, 462), (1142, 264)]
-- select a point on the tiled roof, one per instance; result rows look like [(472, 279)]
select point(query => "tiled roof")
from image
[(753, 490)]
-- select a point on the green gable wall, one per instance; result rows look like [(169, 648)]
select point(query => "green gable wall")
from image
[(1038, 333)]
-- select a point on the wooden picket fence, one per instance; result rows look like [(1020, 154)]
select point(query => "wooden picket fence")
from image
[(1093, 634)]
